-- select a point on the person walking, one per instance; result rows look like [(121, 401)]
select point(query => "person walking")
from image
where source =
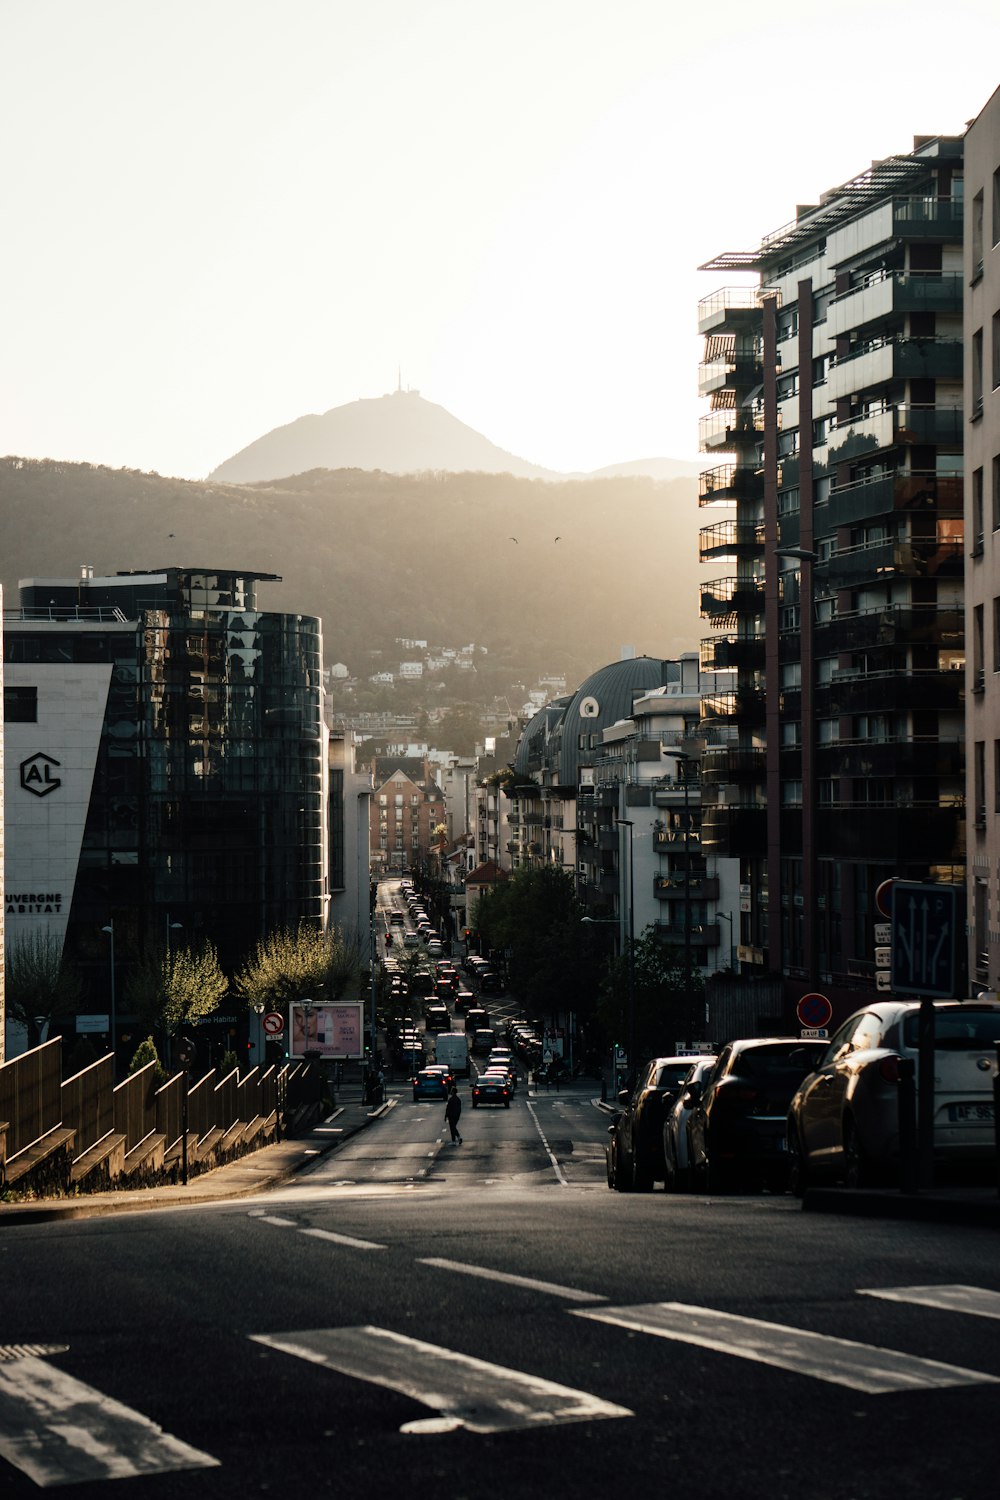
[(452, 1110)]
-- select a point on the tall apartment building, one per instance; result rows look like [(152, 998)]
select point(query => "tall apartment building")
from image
[(836, 393), (982, 497)]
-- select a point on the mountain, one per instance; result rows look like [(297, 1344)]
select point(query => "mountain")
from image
[(428, 556), (399, 434), (402, 434)]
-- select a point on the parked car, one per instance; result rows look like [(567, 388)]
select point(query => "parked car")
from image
[(635, 1148), (736, 1129), (476, 1018), (676, 1150), (843, 1122), (491, 1088)]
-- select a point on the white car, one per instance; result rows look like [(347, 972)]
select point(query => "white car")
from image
[(676, 1145), (843, 1122)]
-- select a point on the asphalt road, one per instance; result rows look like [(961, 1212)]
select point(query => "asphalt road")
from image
[(489, 1319)]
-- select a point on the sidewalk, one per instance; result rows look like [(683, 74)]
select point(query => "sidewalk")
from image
[(269, 1167)]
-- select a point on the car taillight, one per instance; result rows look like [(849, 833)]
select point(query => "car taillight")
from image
[(738, 1093), (888, 1068)]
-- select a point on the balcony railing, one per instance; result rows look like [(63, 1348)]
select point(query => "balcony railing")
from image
[(731, 539), (728, 598), (730, 428), (714, 310), (871, 432)]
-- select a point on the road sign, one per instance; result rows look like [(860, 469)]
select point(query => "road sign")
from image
[(814, 1033), (883, 898), (274, 1023), (814, 1011), (883, 979), (925, 939)]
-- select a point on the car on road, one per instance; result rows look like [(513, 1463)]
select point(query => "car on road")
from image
[(737, 1127), (483, 1040), (501, 1058), (430, 1083), (676, 1150), (635, 1148), (411, 939), (843, 1122), (491, 1088)]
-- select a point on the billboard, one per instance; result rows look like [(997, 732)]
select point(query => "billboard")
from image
[(330, 1030)]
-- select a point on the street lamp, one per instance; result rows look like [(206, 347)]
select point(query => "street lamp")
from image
[(632, 1059), (727, 916), (307, 1006), (110, 930), (683, 759)]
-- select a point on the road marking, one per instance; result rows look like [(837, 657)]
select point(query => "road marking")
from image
[(570, 1293), (343, 1239), (277, 1219), (965, 1299), (462, 1391), (59, 1431), (555, 1165), (861, 1367)]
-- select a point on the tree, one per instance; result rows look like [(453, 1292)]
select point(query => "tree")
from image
[(659, 997), (40, 987), (146, 1053), (291, 966), (170, 988), (537, 917)]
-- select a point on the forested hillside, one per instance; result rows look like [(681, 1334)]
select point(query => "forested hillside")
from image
[(596, 564)]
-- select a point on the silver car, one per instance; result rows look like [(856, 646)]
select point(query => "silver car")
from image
[(676, 1146), (843, 1123)]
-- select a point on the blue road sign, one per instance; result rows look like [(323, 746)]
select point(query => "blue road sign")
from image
[(926, 932)]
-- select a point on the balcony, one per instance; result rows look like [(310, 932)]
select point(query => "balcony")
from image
[(725, 766), (872, 432), (732, 427), (896, 625), (675, 887), (700, 934), (737, 369), (891, 692), (728, 653), (732, 308), (900, 492), (731, 539), (892, 297), (920, 832), (727, 599), (907, 559), (729, 484), (934, 758), (898, 359), (737, 831), (913, 218), (742, 708), (670, 840)]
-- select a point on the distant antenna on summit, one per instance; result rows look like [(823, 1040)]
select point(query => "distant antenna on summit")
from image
[(399, 380)]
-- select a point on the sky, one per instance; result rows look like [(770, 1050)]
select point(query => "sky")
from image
[(220, 215)]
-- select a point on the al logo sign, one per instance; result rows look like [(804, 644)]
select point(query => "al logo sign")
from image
[(37, 774)]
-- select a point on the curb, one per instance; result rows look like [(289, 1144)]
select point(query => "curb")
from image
[(172, 1195), (920, 1207)]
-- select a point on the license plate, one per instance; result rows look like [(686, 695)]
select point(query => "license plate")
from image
[(970, 1112)]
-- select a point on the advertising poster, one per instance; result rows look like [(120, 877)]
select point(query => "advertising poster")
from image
[(330, 1030)]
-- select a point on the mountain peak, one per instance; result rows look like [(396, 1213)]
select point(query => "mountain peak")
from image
[(399, 433)]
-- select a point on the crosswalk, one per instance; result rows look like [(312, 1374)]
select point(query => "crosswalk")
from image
[(56, 1430)]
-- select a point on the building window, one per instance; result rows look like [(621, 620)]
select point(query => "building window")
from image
[(977, 373), (977, 513), (382, 799), (996, 634), (996, 207), (996, 775), (996, 350), (977, 236), (20, 705), (791, 793), (791, 732), (995, 477), (978, 670), (979, 774)]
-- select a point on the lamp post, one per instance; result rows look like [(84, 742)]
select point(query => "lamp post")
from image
[(595, 921), (632, 1060), (172, 927), (110, 930), (727, 916)]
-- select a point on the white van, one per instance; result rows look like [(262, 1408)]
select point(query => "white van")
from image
[(452, 1049)]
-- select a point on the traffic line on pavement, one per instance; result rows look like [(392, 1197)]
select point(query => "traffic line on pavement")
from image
[(343, 1239), (57, 1430), (461, 1390), (277, 1219), (860, 1367), (531, 1283), (975, 1300), (555, 1165)]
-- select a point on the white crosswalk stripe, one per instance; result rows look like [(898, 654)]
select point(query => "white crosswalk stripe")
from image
[(975, 1300), (462, 1391), (57, 1430), (861, 1367)]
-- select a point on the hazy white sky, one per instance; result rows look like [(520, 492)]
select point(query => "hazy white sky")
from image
[(222, 214)]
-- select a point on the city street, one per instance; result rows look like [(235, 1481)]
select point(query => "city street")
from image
[(446, 1319)]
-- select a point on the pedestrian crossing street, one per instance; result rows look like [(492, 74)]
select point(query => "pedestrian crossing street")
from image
[(57, 1430)]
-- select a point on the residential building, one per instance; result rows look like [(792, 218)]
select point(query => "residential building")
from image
[(407, 807), (981, 278), (836, 393)]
